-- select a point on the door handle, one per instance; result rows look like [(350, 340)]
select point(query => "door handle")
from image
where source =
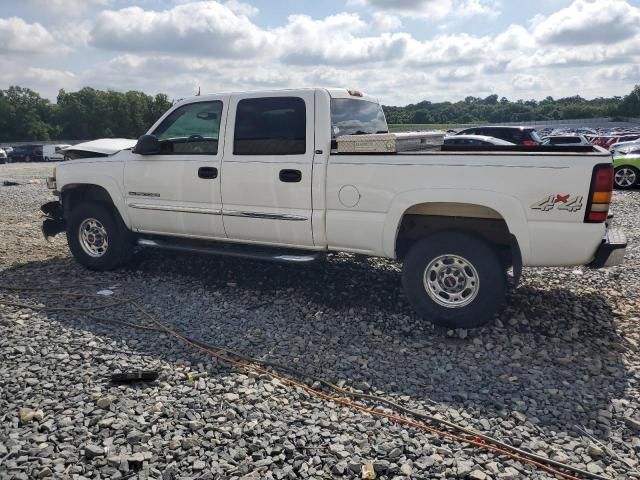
[(208, 172), (290, 176)]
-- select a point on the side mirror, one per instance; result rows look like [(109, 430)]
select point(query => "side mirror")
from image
[(147, 145)]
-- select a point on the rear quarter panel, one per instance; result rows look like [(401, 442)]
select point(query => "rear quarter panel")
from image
[(529, 190)]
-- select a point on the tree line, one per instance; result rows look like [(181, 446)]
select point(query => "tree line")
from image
[(90, 113), (494, 110), (85, 114)]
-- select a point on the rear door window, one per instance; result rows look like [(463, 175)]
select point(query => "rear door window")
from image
[(270, 126)]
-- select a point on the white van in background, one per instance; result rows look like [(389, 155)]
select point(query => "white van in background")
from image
[(51, 153)]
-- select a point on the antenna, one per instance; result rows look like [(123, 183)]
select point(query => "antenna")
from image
[(198, 94)]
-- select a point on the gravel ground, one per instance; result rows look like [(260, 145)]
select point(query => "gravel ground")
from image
[(558, 372)]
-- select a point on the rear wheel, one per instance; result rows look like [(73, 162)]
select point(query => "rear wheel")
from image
[(626, 177), (98, 238), (454, 280)]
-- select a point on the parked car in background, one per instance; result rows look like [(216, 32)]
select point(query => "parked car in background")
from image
[(604, 141), (3, 157), (474, 140), (8, 151), (51, 153), (627, 167), (27, 153), (617, 146), (565, 140), (516, 135)]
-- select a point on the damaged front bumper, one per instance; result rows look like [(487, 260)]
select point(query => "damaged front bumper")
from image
[(612, 249), (54, 221)]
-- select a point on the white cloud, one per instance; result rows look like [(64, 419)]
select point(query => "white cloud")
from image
[(589, 22), (18, 36), (450, 50), (335, 40), (177, 46), (529, 83), (69, 8), (386, 22), (515, 37), (432, 9), (241, 8), (200, 28), (620, 73), (45, 81), (214, 30)]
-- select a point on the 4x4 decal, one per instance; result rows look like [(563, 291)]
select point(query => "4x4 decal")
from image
[(559, 202)]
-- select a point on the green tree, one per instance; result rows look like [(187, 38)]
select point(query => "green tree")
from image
[(630, 105)]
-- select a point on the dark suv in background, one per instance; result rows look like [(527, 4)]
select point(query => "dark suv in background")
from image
[(518, 135), (27, 153)]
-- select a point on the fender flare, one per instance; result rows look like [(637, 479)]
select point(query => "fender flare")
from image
[(108, 184), (507, 206)]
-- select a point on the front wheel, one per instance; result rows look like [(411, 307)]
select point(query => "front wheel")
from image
[(454, 280), (98, 238), (626, 177)]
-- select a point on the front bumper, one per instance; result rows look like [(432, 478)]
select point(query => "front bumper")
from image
[(612, 249)]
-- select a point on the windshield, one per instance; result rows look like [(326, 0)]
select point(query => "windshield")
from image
[(356, 117)]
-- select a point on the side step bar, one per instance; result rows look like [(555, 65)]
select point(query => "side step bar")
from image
[(232, 250)]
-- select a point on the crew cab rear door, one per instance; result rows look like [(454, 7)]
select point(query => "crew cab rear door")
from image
[(267, 168)]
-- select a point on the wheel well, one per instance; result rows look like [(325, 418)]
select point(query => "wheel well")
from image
[(73, 195), (423, 220)]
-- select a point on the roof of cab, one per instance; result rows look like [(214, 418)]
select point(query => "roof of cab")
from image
[(333, 93)]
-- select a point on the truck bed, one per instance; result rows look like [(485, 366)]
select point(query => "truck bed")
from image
[(590, 150)]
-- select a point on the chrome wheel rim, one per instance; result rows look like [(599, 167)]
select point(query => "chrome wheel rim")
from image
[(625, 177), (93, 238), (451, 281)]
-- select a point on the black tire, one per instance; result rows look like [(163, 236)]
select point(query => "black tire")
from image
[(630, 170), (492, 280), (119, 238)]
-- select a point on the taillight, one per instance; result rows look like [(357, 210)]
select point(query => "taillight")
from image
[(600, 194), (529, 143)]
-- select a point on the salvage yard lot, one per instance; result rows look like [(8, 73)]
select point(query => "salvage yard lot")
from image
[(556, 373)]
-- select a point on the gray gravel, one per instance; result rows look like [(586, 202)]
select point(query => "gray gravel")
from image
[(557, 372)]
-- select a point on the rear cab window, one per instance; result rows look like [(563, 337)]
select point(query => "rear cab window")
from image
[(356, 117)]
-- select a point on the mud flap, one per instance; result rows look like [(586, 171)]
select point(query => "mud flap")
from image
[(54, 222)]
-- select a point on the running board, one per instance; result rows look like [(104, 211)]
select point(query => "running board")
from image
[(232, 250)]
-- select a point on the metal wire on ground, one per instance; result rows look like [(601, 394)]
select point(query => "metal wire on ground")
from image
[(473, 438)]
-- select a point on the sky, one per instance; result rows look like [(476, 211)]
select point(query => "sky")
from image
[(401, 51)]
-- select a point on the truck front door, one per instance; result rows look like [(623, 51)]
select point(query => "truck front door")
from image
[(177, 191), (267, 169)]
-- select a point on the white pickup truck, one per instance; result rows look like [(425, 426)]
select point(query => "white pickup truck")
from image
[(257, 175)]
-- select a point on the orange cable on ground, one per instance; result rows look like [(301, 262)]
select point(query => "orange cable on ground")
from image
[(477, 440), (356, 406)]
